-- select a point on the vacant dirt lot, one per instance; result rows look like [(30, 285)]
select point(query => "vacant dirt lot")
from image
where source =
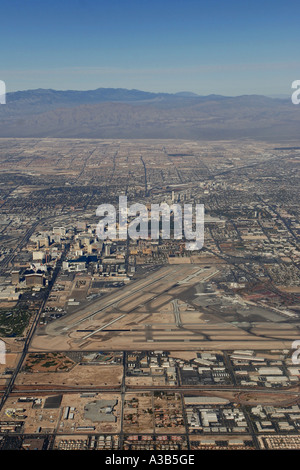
[(81, 375)]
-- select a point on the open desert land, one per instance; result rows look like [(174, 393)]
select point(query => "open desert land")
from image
[(76, 375)]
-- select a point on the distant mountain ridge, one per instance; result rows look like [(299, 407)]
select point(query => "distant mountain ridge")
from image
[(48, 97), (123, 113)]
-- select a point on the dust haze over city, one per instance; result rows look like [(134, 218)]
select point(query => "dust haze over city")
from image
[(137, 342)]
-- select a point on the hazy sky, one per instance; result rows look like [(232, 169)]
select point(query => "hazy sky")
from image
[(227, 47)]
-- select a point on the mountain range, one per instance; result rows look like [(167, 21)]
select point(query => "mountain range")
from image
[(121, 113)]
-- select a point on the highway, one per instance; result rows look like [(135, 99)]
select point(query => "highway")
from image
[(126, 388)]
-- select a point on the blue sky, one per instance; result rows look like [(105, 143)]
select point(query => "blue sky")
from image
[(227, 47)]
